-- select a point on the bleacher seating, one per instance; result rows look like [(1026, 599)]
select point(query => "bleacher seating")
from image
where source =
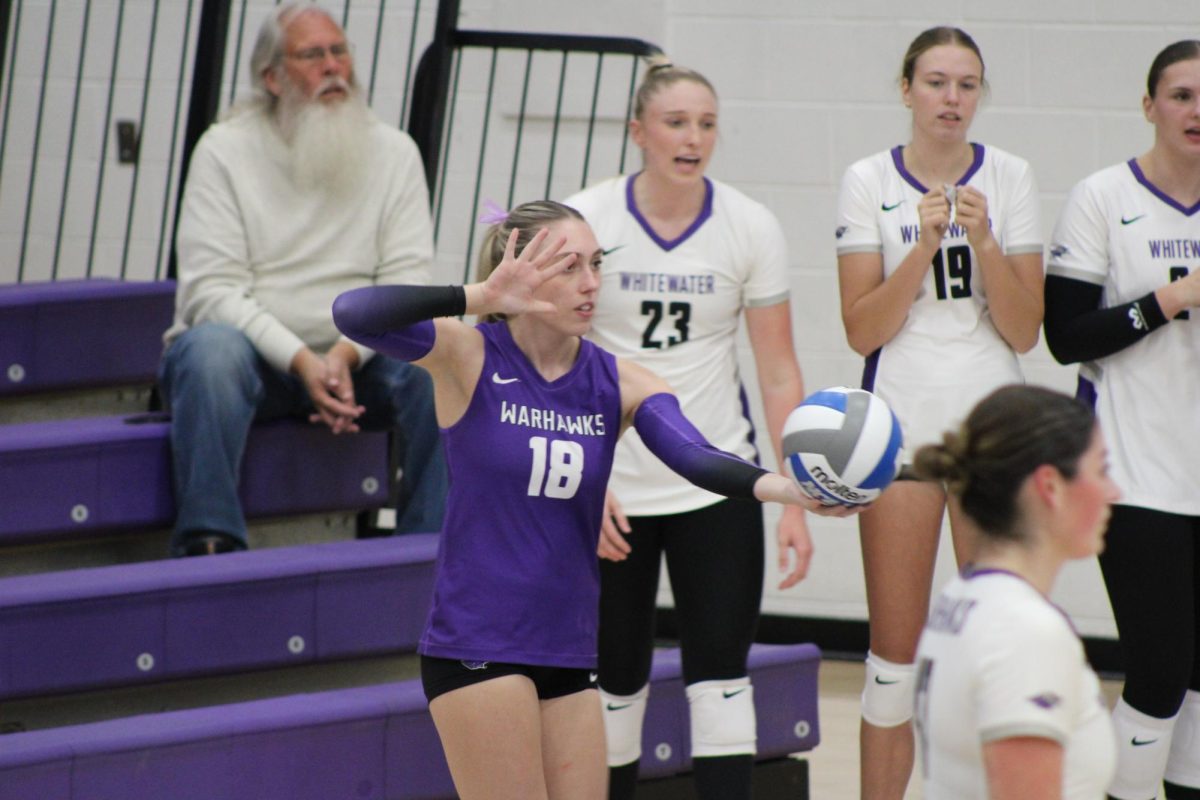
[(140, 623), (67, 477), (367, 742), (132, 625), (785, 703), (77, 333)]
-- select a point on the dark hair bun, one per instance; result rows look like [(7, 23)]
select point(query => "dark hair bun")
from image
[(944, 462)]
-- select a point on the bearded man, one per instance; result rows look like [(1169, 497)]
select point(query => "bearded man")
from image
[(295, 197)]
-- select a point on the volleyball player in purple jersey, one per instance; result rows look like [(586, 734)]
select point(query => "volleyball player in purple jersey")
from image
[(1123, 301), (530, 413)]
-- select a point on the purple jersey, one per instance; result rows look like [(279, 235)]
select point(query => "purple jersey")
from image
[(518, 578)]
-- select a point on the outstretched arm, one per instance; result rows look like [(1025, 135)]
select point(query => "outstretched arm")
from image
[(655, 413)]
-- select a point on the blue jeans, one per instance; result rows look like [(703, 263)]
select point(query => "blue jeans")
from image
[(215, 385)]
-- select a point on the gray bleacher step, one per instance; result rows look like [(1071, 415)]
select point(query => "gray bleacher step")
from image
[(103, 402), (39, 713), (151, 545), (90, 476)]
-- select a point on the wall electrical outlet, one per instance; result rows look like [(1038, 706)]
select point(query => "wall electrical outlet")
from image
[(127, 141)]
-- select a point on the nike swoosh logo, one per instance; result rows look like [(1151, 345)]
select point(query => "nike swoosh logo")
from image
[(1131, 220), (734, 693), (893, 206), (497, 379), (1139, 743), (618, 706), (882, 682), (611, 250)]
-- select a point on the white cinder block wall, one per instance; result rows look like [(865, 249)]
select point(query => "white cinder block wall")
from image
[(806, 88)]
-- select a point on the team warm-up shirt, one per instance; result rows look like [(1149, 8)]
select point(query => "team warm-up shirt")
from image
[(674, 307), (517, 576), (997, 660), (948, 354), (1119, 232)]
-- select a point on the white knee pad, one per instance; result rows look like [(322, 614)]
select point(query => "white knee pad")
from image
[(887, 698), (1143, 744), (623, 717), (1183, 763), (722, 717)]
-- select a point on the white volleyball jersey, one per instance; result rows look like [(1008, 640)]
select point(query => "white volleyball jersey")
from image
[(997, 660), (674, 307), (1118, 231), (948, 354)]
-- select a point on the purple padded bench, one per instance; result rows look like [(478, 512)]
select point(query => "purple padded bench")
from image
[(76, 333), (67, 477), (153, 621), (373, 743), (367, 743)]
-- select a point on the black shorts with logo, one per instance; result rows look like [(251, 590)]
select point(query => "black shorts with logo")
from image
[(442, 675)]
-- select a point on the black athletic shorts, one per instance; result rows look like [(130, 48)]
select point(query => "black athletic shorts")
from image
[(441, 675)]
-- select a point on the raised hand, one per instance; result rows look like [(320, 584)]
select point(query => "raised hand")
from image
[(511, 286)]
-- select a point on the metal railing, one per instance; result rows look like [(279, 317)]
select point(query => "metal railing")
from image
[(102, 103), (566, 124)]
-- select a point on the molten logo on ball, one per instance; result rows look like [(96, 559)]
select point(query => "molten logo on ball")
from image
[(843, 445)]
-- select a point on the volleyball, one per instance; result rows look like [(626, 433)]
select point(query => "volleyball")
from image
[(843, 446)]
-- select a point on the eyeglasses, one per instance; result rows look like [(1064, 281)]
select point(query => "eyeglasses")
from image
[(314, 54)]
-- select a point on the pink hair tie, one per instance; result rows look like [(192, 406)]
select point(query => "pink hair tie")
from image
[(492, 214)]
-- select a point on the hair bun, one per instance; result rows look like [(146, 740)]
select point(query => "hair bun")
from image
[(943, 462), (658, 61)]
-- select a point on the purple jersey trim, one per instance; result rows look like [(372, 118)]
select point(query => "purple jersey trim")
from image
[(870, 367), (910, 179), (751, 435), (1159, 193), (970, 571), (1085, 391), (668, 246)]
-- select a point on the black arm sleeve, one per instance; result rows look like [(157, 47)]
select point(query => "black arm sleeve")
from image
[(1078, 329)]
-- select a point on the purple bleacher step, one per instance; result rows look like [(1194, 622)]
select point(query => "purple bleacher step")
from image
[(785, 703), (76, 333), (68, 477), (373, 742), (142, 623)]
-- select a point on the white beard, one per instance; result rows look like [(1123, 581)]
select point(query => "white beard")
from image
[(328, 143)]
